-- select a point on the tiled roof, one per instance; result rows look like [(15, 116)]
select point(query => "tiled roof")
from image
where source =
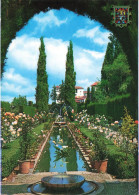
[(77, 87), (94, 84), (57, 86)]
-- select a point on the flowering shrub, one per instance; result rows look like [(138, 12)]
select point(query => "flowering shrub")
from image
[(111, 131), (11, 127)]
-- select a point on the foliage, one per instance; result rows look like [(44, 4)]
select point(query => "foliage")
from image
[(61, 153), (19, 101), (61, 96), (113, 107), (9, 163), (70, 79), (118, 164), (42, 94), (30, 103), (128, 131), (100, 94), (26, 139), (115, 74), (99, 146), (92, 94), (53, 94), (128, 126), (118, 76), (29, 110), (5, 106), (12, 154), (88, 96)]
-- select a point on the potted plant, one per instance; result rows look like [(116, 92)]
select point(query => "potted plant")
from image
[(100, 153), (25, 141)]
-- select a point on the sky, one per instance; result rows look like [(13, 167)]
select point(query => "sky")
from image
[(57, 27)]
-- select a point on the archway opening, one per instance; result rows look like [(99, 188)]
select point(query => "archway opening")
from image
[(90, 41)]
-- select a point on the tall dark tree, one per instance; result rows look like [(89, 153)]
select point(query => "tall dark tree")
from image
[(70, 79), (92, 94), (42, 94), (113, 50), (61, 96), (88, 96), (53, 94)]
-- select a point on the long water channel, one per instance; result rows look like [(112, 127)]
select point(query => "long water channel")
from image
[(61, 154)]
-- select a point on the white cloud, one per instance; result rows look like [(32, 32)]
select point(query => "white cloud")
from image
[(16, 84), (24, 52), (86, 33), (48, 19), (86, 65), (94, 34), (85, 83), (56, 50), (7, 98), (95, 54), (11, 76), (17, 88)]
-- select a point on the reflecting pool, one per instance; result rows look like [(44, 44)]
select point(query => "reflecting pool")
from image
[(61, 154)]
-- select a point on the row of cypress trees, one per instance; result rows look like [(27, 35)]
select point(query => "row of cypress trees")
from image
[(42, 93)]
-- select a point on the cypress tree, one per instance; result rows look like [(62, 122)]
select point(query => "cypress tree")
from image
[(70, 79), (93, 94), (42, 94), (61, 96), (88, 96)]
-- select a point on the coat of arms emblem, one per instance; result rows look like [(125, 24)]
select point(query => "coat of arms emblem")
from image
[(121, 15)]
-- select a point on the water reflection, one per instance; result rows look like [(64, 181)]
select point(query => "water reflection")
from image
[(61, 154)]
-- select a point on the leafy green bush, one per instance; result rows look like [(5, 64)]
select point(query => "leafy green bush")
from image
[(6, 106), (8, 164), (29, 110), (119, 166)]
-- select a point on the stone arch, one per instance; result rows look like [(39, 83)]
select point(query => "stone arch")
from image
[(16, 14)]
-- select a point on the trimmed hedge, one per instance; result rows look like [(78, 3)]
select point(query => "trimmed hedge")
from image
[(80, 107), (114, 107), (29, 110), (10, 157), (5, 106)]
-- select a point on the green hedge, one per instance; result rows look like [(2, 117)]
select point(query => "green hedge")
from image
[(29, 110), (80, 107), (114, 107), (5, 106), (8, 164), (121, 168), (10, 157)]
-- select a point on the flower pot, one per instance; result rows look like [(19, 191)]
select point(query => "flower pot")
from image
[(24, 166), (97, 165), (103, 166), (32, 162)]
